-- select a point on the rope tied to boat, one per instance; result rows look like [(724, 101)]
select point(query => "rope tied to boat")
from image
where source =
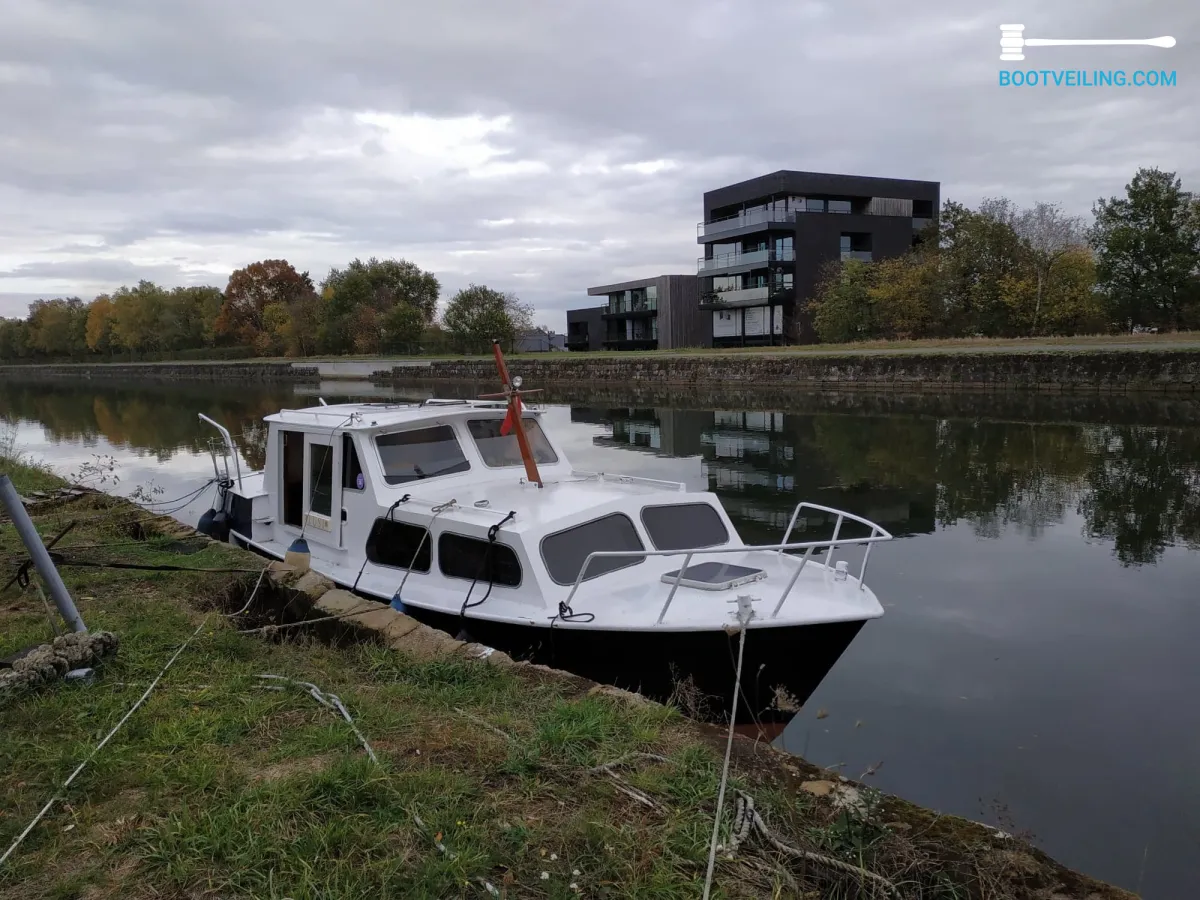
[(437, 511), (486, 563)]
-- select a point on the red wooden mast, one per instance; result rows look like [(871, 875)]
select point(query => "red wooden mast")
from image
[(513, 421)]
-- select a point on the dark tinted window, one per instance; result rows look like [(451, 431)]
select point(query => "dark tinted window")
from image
[(502, 449), (566, 551), (467, 557), (684, 526), (423, 453), (352, 473), (320, 485), (395, 544), (839, 206)]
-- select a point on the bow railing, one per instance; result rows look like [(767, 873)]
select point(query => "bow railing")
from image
[(877, 535)]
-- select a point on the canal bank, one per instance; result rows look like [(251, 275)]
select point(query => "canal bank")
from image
[(1094, 371), (1042, 368), (480, 771)]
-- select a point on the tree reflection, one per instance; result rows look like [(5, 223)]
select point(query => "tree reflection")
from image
[(1144, 491)]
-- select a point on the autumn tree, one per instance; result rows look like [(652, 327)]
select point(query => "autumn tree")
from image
[(1050, 234), (99, 324), (251, 290), (58, 327), (136, 317), (477, 315), (1147, 247), (360, 300), (189, 317)]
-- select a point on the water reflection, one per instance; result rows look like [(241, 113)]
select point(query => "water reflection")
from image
[(1136, 487)]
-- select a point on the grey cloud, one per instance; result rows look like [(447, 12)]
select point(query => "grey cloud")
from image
[(122, 118)]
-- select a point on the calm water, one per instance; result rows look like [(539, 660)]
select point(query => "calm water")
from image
[(1037, 664)]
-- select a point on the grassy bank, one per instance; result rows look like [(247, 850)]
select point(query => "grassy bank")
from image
[(218, 786)]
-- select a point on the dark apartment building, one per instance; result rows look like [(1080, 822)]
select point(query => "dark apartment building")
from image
[(585, 328), (653, 313), (765, 241)]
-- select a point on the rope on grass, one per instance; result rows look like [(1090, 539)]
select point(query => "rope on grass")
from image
[(330, 701), (271, 629), (100, 746), (746, 819), (249, 599), (437, 842), (609, 768)]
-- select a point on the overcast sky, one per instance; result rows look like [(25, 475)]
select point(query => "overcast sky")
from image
[(539, 147)]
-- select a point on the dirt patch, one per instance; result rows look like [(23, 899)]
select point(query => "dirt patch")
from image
[(304, 765)]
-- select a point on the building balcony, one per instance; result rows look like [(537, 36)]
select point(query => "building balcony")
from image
[(631, 311), (577, 342), (860, 255), (750, 220), (755, 296), (728, 263)]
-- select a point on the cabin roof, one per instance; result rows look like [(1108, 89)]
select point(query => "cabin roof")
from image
[(369, 416)]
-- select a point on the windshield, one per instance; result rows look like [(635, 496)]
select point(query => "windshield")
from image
[(500, 450), (423, 453)]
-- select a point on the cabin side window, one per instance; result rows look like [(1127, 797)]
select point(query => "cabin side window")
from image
[(684, 526), (399, 545), (420, 453), (564, 552), (320, 484), (352, 473), (460, 556), (499, 450)]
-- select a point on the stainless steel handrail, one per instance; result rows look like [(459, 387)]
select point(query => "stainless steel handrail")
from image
[(228, 444), (878, 534)]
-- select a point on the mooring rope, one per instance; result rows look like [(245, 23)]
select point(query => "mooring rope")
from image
[(744, 613), (66, 784)]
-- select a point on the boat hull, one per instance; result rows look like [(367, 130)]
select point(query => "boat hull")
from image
[(657, 664)]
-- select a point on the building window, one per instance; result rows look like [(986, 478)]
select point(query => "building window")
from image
[(565, 551), (784, 249), (815, 205), (839, 206), (844, 243), (471, 558), (421, 453)]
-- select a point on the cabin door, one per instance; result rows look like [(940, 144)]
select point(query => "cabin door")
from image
[(323, 489)]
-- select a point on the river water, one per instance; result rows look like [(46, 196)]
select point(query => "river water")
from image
[(1037, 664)]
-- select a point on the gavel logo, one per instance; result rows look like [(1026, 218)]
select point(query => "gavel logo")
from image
[(1012, 41)]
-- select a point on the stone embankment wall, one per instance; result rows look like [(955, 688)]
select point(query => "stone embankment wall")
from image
[(1104, 371), (165, 372)]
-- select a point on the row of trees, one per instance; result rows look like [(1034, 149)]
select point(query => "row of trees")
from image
[(1001, 271), (270, 309)]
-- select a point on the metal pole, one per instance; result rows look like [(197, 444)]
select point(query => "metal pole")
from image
[(39, 554)]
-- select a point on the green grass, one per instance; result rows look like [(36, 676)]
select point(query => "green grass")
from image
[(217, 786)]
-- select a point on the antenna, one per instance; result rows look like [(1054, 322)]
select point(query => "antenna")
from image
[(512, 421)]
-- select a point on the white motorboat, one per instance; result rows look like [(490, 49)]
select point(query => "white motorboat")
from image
[(468, 516)]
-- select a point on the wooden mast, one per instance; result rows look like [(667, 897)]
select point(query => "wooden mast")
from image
[(513, 420)]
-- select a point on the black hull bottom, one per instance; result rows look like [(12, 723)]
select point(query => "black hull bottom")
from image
[(780, 663)]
